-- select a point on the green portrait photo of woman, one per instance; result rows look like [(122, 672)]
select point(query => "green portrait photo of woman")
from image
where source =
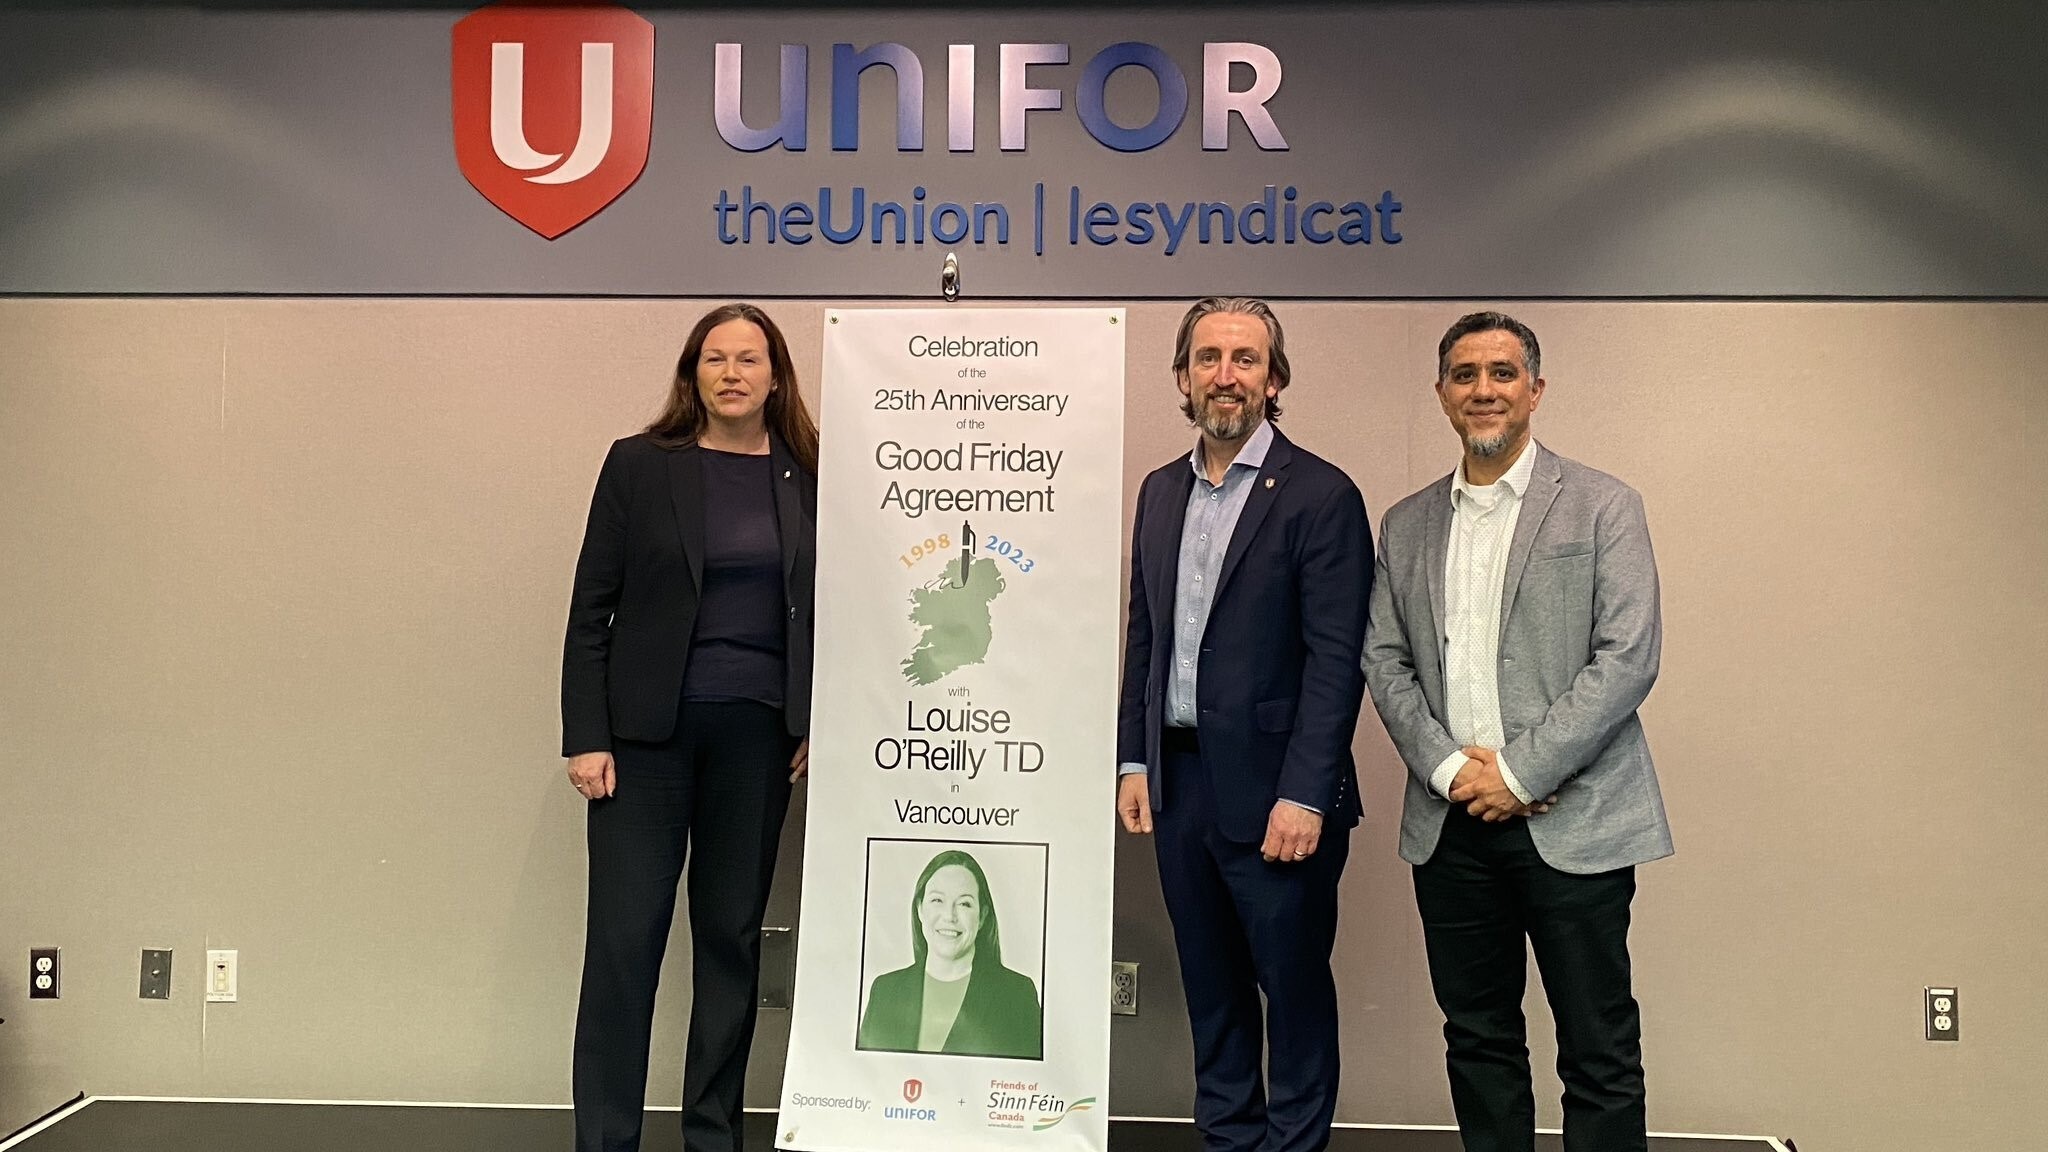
[(956, 996)]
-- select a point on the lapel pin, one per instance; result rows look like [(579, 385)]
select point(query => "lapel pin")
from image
[(1269, 481), (785, 474)]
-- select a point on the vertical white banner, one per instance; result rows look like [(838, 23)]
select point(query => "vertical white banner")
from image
[(952, 988)]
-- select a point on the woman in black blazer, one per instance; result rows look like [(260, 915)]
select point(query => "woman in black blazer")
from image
[(686, 698)]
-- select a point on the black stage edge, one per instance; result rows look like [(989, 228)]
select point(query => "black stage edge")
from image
[(45, 1116), (224, 1126)]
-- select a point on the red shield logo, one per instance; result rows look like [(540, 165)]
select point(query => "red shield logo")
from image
[(912, 1089), (553, 108)]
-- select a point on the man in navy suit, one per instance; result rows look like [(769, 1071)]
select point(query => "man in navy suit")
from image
[(1251, 570)]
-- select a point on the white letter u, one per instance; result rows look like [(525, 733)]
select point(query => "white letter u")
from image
[(508, 105)]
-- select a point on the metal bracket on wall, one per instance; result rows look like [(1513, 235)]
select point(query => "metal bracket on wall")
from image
[(156, 974), (778, 968), (949, 278)]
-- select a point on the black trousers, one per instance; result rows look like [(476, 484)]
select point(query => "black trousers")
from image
[(1486, 897), (1242, 926), (716, 793)]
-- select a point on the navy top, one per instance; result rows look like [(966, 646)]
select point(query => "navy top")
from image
[(737, 650)]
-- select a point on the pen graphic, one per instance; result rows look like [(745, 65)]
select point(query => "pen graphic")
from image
[(966, 553)]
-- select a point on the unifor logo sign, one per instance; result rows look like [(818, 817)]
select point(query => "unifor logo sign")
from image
[(553, 107), (912, 1089)]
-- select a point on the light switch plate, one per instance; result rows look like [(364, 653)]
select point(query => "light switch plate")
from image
[(223, 975)]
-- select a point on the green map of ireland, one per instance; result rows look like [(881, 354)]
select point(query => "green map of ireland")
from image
[(954, 615)]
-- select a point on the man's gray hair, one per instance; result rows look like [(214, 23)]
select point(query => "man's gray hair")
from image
[(1277, 372)]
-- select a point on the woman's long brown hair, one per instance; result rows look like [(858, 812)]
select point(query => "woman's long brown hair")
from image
[(682, 418)]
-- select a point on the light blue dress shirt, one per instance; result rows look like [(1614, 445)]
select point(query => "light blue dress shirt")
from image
[(1212, 515), (1213, 510)]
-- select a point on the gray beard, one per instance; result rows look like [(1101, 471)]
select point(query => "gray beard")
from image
[(1487, 449), (1224, 427)]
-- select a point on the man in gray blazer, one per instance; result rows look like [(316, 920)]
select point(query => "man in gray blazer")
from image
[(1513, 633)]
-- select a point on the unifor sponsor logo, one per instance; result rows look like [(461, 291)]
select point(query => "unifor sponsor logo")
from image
[(913, 1091), (553, 108)]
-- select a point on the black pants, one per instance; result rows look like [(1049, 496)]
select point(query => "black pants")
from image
[(1484, 893), (719, 786), (1242, 926)]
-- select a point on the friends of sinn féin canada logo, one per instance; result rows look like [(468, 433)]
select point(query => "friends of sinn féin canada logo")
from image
[(553, 107), (1019, 1104)]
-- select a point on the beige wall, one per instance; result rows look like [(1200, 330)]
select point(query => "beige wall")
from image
[(281, 593)]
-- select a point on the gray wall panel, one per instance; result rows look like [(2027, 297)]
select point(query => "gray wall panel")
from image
[(282, 585), (1700, 147)]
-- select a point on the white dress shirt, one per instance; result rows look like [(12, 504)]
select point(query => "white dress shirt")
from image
[(1475, 569)]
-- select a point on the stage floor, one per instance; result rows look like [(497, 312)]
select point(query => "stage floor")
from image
[(128, 1124)]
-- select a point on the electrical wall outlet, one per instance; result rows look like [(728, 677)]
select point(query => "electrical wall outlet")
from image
[(45, 973), (156, 974), (221, 975), (1944, 1022), (1123, 987)]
